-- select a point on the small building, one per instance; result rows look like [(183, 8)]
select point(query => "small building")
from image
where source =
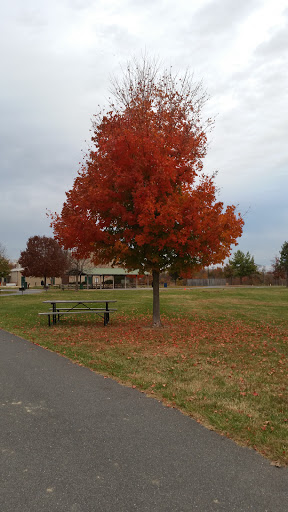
[(89, 277), (17, 279), (111, 277)]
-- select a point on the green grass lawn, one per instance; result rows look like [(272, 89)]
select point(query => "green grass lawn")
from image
[(220, 358)]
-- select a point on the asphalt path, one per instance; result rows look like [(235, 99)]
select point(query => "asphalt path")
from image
[(74, 441), (15, 291)]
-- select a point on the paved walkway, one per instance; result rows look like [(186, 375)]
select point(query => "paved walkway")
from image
[(74, 441), (15, 291)]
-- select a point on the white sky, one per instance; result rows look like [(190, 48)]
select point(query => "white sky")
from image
[(56, 62)]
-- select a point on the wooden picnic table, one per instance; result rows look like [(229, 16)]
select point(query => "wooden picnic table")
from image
[(72, 307)]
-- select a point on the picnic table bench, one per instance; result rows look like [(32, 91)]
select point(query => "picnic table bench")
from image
[(76, 307)]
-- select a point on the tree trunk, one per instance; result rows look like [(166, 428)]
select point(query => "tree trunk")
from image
[(156, 299), (287, 278)]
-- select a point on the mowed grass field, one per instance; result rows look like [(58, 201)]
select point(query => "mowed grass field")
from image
[(220, 358)]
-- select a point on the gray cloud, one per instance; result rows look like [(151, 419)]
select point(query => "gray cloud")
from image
[(220, 17), (55, 72)]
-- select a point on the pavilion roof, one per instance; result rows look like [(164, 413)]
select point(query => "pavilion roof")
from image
[(109, 271)]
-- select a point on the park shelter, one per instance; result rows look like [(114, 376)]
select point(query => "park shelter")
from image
[(110, 277), (90, 277)]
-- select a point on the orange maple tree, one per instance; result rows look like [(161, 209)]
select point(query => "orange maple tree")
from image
[(141, 199)]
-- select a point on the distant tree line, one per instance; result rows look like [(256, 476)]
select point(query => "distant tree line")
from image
[(45, 258), (242, 269), (280, 264)]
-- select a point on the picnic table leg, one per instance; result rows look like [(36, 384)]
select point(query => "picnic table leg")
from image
[(54, 313)]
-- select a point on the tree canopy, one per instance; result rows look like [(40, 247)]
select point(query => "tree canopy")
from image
[(5, 266), (241, 265), (283, 260), (43, 257), (277, 269), (141, 199)]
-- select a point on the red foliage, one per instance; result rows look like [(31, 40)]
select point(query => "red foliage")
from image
[(141, 200), (43, 257)]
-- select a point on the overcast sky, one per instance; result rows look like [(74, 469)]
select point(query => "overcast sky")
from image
[(57, 60)]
